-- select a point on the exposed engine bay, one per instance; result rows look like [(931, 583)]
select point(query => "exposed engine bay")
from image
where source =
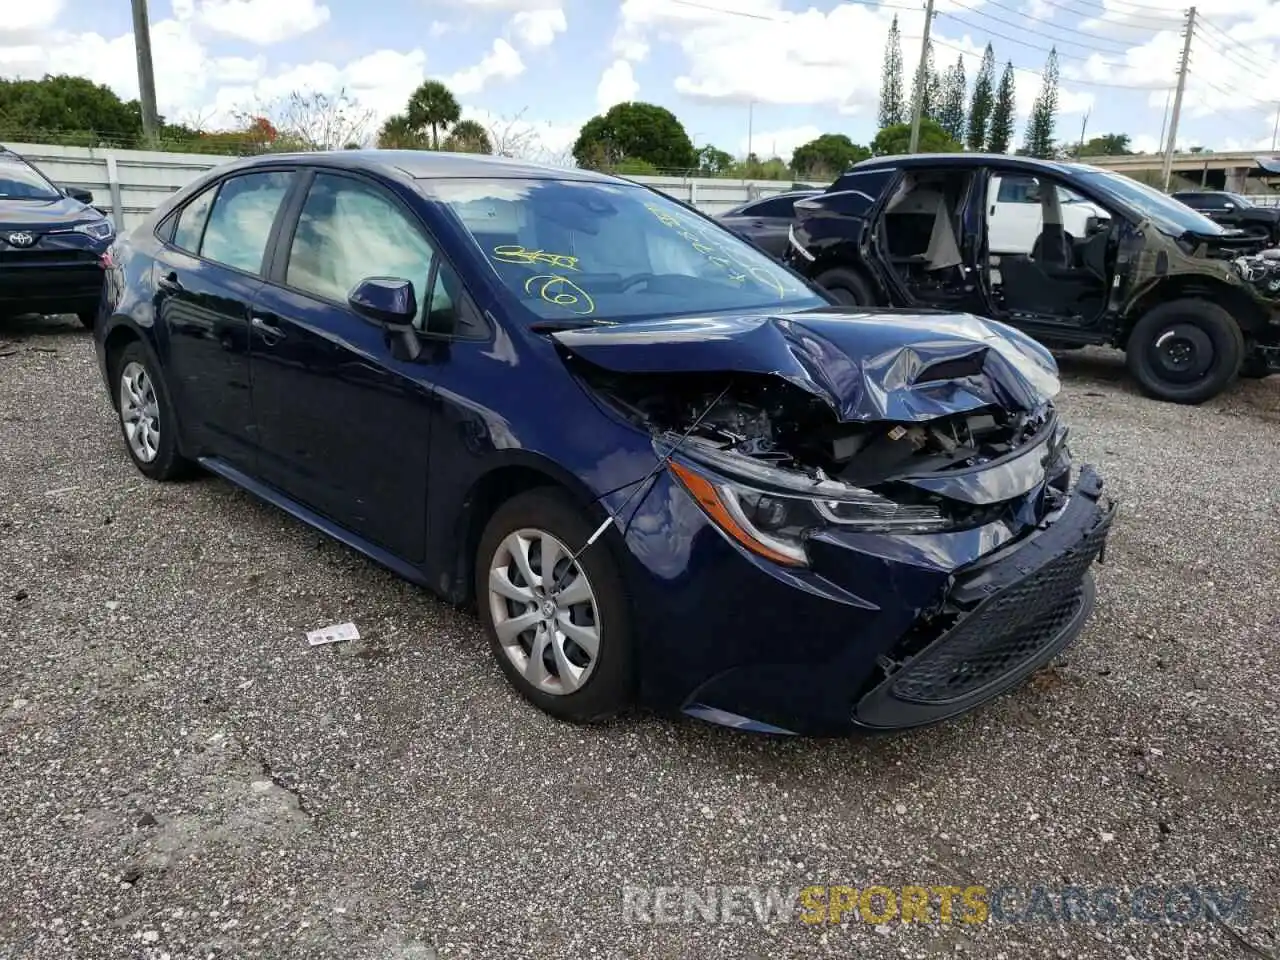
[(774, 422), (1261, 271)]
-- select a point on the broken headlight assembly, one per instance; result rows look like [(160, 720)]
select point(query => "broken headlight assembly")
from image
[(770, 510)]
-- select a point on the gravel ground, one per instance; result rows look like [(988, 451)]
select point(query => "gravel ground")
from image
[(181, 776)]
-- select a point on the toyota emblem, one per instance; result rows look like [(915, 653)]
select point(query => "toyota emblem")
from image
[(21, 239)]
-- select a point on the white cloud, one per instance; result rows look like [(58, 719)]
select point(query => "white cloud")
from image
[(538, 28), (262, 21), (778, 143), (21, 18), (439, 28), (501, 62), (617, 85)]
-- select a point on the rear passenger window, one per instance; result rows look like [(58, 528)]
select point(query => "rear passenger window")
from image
[(776, 207), (1019, 190), (191, 221), (241, 219)]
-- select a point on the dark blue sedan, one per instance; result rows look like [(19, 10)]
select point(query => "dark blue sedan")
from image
[(663, 468)]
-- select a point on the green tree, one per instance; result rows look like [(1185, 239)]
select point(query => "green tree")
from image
[(982, 102), (68, 110), (433, 107), (951, 109), (753, 168), (895, 140), (829, 155), (1002, 112), (931, 101), (1044, 112), (467, 136), (892, 109), (1107, 145), (635, 131), (712, 161), (397, 133)]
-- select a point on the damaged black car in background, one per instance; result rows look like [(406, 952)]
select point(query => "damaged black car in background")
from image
[(1074, 255)]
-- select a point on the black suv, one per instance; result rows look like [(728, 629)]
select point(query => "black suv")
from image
[(1076, 255), (1233, 210), (52, 244)]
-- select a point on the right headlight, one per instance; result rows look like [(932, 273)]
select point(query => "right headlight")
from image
[(771, 511)]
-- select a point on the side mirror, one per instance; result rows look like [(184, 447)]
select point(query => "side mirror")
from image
[(75, 193), (1228, 205), (388, 301)]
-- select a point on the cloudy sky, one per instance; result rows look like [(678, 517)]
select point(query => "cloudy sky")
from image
[(808, 66)]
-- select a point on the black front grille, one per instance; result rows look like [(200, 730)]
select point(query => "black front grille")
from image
[(33, 258), (1004, 631)]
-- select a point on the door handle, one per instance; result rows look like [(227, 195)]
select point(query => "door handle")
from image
[(993, 210), (270, 332), (169, 281)]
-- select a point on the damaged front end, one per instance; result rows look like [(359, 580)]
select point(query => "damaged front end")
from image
[(900, 458)]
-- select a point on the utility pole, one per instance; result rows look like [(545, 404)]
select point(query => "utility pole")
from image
[(1177, 97), (917, 98), (1083, 123), (751, 117), (1164, 119), (146, 73), (1276, 129)]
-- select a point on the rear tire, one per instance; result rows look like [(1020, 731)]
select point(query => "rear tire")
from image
[(147, 420), (1185, 351), (847, 288), (542, 637)]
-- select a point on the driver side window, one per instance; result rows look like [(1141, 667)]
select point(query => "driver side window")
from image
[(1015, 189)]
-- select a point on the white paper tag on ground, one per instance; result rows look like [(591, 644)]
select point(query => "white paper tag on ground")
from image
[(334, 634)]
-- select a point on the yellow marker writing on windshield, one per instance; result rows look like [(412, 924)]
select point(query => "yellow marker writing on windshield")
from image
[(512, 253), (561, 291)]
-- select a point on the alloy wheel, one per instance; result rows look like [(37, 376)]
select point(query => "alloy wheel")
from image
[(140, 412), (545, 612)]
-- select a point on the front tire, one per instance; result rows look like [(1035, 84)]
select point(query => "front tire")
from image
[(1185, 351), (560, 630), (846, 287), (146, 416)]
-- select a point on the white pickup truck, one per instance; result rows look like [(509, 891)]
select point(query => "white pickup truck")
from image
[(1015, 214)]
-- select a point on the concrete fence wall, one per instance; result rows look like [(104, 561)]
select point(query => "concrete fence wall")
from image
[(129, 184)]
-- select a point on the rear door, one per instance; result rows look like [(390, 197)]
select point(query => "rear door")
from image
[(207, 275), (766, 223), (344, 419)]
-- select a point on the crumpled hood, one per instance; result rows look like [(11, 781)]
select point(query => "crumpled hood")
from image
[(867, 365)]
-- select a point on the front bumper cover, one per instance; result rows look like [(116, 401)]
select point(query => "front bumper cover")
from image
[(997, 620), (1003, 619)]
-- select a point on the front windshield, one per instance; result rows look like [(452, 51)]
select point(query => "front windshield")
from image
[(1169, 216), (604, 251), (1238, 200), (20, 182)]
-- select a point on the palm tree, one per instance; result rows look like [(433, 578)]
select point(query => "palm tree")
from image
[(433, 106), (467, 136), (398, 134)]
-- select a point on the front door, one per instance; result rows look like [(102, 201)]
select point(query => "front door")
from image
[(344, 426), (207, 276)]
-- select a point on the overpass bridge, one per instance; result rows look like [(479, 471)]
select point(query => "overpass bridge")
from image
[(1227, 170)]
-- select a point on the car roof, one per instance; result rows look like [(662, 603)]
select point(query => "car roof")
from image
[(432, 164), (1007, 161)]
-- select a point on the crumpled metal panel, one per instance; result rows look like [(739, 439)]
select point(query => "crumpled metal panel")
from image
[(867, 365)]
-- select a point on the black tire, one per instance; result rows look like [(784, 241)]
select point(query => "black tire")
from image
[(1185, 351), (608, 688), (87, 318), (168, 463), (846, 287)]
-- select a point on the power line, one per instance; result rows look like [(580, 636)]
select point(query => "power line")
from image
[(1231, 56), (1024, 43), (1069, 80), (1136, 23), (996, 3), (1260, 64)]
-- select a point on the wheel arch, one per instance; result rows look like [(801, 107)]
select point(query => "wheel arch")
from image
[(516, 474), (119, 335), (1244, 309)]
